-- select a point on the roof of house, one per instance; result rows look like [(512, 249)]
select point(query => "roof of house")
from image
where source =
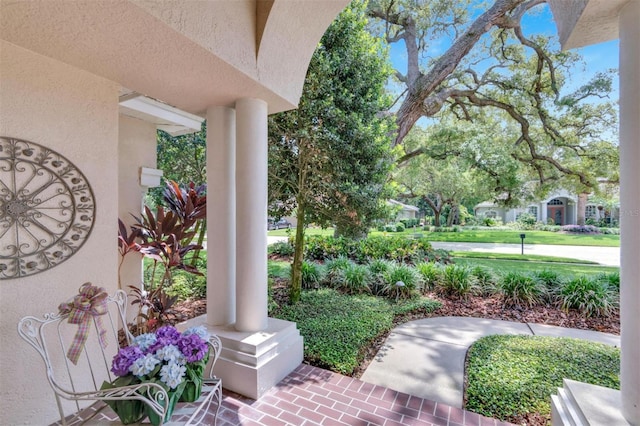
[(486, 204), (404, 206)]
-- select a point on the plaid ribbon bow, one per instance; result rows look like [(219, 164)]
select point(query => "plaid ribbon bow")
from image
[(90, 303)]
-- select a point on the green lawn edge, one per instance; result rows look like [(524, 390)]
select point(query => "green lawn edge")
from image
[(518, 257), (487, 236)]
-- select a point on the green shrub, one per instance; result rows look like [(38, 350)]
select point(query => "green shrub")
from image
[(188, 286), (526, 221), (511, 376), (272, 305), (590, 296), (612, 279), (399, 248), (609, 231), (402, 281), (281, 248), (338, 328), (486, 280), (489, 221), (520, 289), (430, 273), (390, 228), (548, 227), (456, 281), (334, 270), (551, 280), (356, 279), (416, 304), (322, 248), (378, 268), (400, 227), (312, 274)]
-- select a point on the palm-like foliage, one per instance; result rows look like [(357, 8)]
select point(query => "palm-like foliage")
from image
[(165, 238)]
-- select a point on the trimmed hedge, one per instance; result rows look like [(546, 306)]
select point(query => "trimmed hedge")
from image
[(398, 248)]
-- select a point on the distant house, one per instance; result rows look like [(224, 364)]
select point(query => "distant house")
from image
[(405, 211), (561, 208)]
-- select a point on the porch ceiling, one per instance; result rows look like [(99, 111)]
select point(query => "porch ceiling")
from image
[(585, 22), (188, 54)]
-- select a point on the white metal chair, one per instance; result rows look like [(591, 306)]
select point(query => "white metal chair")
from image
[(74, 384)]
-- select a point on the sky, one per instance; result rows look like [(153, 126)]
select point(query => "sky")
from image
[(597, 58)]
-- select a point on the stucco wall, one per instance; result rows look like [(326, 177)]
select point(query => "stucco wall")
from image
[(76, 114), (137, 148)]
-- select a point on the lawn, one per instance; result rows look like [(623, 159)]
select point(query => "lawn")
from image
[(519, 257), (504, 266), (490, 236), (510, 376), (532, 237)]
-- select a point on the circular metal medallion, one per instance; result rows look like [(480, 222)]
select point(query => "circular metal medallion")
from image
[(47, 208)]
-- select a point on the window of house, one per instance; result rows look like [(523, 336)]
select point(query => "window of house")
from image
[(555, 202), (590, 212), (533, 210), (491, 214)]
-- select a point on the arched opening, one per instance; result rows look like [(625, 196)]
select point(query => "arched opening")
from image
[(556, 211)]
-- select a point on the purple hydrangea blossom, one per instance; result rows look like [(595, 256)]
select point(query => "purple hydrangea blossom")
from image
[(168, 332), (192, 347), (160, 343), (167, 352), (124, 359)]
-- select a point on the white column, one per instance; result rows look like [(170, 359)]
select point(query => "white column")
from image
[(251, 215), (630, 209), (221, 216)]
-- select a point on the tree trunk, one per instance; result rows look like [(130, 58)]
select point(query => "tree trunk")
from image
[(581, 208), (453, 218), (295, 288), (201, 231), (436, 217)]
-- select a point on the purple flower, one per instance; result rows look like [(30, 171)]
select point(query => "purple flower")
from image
[(161, 343), (168, 332), (123, 360), (192, 347)]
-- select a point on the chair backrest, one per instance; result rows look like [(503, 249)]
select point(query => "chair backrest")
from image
[(52, 335)]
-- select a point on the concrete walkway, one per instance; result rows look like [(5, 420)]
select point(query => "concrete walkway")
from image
[(609, 256), (426, 357)]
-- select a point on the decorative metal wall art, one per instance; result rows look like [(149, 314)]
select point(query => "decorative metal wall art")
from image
[(47, 208)]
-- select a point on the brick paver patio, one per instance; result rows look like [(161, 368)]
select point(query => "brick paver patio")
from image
[(313, 396)]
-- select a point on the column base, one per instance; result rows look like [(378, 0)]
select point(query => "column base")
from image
[(583, 404), (251, 363)]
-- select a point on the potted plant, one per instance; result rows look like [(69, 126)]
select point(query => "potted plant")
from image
[(175, 361)]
